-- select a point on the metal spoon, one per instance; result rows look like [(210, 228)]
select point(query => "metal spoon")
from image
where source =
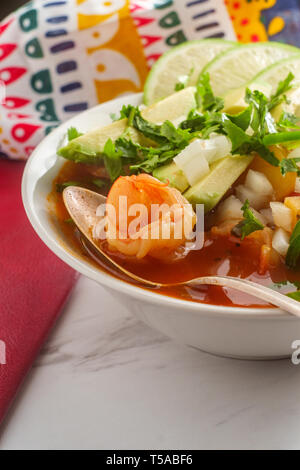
[(82, 204)]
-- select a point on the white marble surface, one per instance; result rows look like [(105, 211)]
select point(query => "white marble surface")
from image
[(106, 381)]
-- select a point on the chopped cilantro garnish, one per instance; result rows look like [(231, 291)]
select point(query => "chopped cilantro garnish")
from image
[(125, 112), (288, 121), (279, 95), (293, 252), (73, 133), (289, 165), (252, 130), (249, 224), (112, 160), (241, 119), (205, 99)]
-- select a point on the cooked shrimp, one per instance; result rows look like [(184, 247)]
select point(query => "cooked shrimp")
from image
[(147, 217)]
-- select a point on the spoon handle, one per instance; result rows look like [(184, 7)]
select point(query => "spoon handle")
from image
[(262, 292)]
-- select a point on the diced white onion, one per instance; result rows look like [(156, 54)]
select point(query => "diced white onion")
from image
[(230, 208), (267, 215), (256, 200), (297, 185), (194, 160), (191, 160), (282, 215), (280, 241), (222, 146), (258, 182)]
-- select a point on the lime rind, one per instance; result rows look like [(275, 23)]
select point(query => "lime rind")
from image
[(278, 71), (164, 74), (235, 67)]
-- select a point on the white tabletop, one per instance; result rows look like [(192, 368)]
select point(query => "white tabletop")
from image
[(107, 381)]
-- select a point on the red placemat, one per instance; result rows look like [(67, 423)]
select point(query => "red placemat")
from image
[(34, 285)]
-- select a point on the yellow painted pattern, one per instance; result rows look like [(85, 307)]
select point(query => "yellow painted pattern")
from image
[(113, 46), (245, 16)]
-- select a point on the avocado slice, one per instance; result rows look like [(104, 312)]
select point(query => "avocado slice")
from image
[(173, 175), (213, 186), (88, 148)]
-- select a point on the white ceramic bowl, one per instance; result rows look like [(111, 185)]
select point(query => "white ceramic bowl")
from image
[(233, 332)]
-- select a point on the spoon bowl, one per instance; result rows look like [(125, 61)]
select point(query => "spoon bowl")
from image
[(82, 206)]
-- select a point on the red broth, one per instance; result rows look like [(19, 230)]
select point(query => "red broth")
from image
[(219, 256)]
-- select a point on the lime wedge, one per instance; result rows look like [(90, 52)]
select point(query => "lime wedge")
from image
[(235, 67), (187, 59), (279, 71)]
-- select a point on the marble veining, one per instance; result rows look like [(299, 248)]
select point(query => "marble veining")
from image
[(104, 380)]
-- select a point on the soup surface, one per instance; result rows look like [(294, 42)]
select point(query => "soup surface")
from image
[(219, 256)]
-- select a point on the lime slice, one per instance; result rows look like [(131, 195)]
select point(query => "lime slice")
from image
[(187, 58), (235, 67), (279, 71)]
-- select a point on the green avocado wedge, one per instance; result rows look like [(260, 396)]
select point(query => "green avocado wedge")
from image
[(88, 148), (210, 190), (172, 175)]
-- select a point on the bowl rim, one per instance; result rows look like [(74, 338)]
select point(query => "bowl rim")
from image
[(103, 278)]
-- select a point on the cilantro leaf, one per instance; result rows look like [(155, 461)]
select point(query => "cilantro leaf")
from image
[(258, 102), (289, 165), (205, 98), (194, 123), (288, 121), (241, 119), (205, 123), (264, 152), (176, 136), (249, 224), (237, 135), (293, 252), (126, 112), (112, 160), (279, 95), (73, 133), (127, 148), (153, 160), (147, 128)]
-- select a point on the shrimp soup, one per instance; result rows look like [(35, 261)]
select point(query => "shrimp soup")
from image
[(237, 156), (222, 253)]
